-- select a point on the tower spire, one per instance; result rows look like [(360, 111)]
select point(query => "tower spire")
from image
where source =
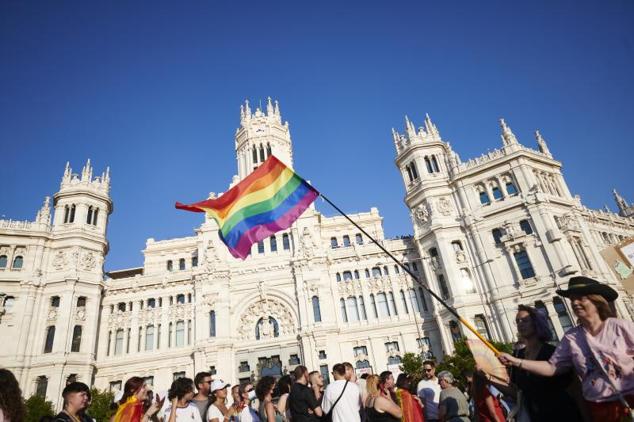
[(431, 128), (410, 129), (86, 172), (541, 142), (620, 201), (508, 137), (269, 107)]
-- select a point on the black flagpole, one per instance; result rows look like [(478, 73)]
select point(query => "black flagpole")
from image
[(411, 274)]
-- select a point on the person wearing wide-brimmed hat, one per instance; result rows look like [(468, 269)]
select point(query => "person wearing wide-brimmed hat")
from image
[(600, 349)]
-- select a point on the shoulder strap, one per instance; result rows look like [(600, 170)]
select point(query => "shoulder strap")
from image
[(338, 398)]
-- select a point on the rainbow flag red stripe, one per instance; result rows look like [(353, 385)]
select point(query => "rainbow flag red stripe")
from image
[(268, 200)]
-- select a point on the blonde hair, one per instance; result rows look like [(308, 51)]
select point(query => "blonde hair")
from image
[(603, 307), (372, 385)]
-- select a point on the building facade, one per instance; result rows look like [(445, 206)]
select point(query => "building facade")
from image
[(489, 233)]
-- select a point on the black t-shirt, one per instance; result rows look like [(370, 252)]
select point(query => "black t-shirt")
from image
[(300, 400)]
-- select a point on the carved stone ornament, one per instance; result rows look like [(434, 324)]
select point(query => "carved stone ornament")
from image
[(265, 308), (308, 244), (444, 206), (52, 315), (88, 261), (4, 250), (567, 222), (211, 256), (80, 315), (60, 261), (421, 213), (460, 257)]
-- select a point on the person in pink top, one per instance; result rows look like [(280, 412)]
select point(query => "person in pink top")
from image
[(600, 349)]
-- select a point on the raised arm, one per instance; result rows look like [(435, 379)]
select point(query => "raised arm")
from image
[(538, 367)]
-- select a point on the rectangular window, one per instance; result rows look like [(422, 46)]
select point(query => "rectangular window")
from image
[(50, 338), (358, 238), (149, 381), (273, 241), (261, 247), (444, 290), (294, 360), (158, 336), (322, 354), (360, 350), (118, 342), (178, 375), (180, 333), (286, 244), (316, 309), (114, 386), (149, 337), (384, 311), (324, 373), (244, 367), (391, 346), (524, 264), (212, 323)]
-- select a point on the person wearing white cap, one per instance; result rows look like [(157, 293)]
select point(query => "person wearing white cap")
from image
[(218, 411)]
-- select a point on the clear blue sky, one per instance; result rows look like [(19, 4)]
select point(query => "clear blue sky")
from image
[(153, 90)]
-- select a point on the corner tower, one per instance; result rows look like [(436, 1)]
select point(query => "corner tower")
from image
[(261, 134)]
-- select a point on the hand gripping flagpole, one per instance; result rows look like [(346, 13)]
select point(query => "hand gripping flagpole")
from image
[(411, 274)]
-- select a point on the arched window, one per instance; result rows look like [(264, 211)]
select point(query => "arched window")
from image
[(396, 269), (316, 309), (346, 240), (121, 306), (497, 236), (364, 315), (169, 265), (454, 329), (71, 219), (268, 149), (484, 196), (261, 247), (273, 241), (481, 326), (422, 298), (384, 311), (180, 298), (333, 243), (55, 302), (456, 245), (444, 290), (497, 193), (338, 277), (255, 154), (367, 273), (3, 261), (50, 339), (524, 264), (385, 271), (434, 164), (376, 272), (342, 309), (95, 214), (89, 215), (76, 342), (212, 323), (118, 342), (352, 307), (265, 331), (181, 264), (18, 261), (347, 276), (286, 243), (180, 333), (81, 301), (410, 176), (392, 304), (428, 165), (149, 337), (414, 170), (414, 300), (41, 385), (356, 274), (358, 239), (261, 153), (511, 190), (562, 314), (394, 360), (151, 303), (404, 299), (362, 364), (433, 252), (373, 306), (66, 213), (526, 227)]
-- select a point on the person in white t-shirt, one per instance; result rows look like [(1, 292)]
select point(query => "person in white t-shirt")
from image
[(348, 406), (428, 390), (181, 408)]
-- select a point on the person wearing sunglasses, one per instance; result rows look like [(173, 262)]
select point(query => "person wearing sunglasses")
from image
[(428, 390)]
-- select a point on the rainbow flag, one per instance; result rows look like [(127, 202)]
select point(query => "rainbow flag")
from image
[(268, 200)]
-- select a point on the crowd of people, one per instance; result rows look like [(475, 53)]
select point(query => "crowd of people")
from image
[(597, 355)]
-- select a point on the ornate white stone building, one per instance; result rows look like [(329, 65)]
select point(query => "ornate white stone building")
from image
[(489, 234)]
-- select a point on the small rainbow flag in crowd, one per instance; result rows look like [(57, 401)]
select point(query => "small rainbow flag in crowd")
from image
[(268, 200)]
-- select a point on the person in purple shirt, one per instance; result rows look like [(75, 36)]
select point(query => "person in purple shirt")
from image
[(600, 349)]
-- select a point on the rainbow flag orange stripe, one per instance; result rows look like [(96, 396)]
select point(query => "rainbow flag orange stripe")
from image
[(268, 200)]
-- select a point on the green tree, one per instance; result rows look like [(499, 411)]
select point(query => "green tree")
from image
[(36, 407), (100, 407), (412, 365), (462, 360)]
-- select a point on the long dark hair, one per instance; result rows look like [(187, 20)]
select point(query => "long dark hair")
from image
[(179, 388), (11, 397), (131, 387), (539, 321)]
